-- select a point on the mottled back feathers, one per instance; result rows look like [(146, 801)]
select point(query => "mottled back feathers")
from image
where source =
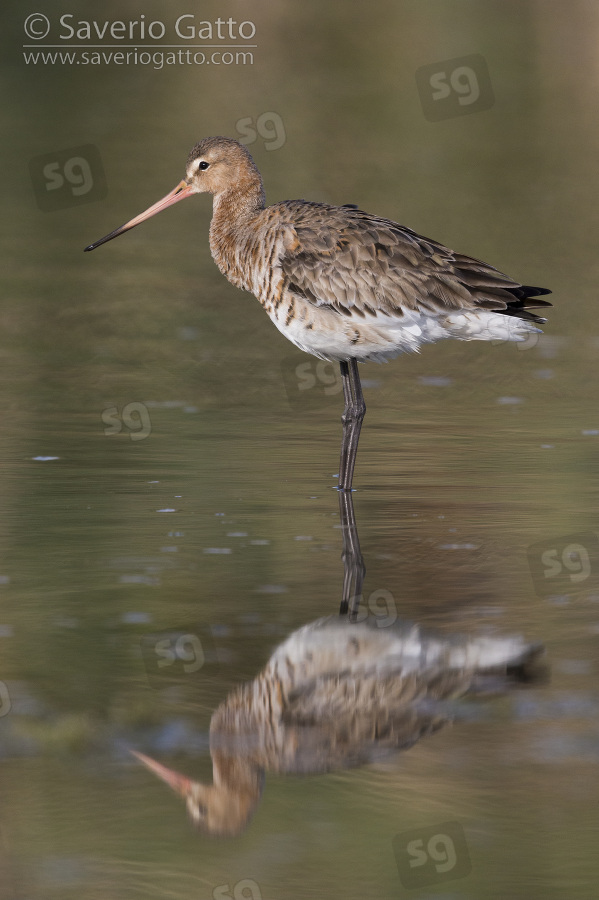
[(358, 263)]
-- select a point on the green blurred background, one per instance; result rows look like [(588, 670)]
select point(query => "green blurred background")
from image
[(470, 454)]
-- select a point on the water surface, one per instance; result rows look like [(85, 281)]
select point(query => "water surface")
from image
[(212, 510)]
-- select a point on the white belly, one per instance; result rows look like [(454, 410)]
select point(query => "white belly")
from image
[(332, 336)]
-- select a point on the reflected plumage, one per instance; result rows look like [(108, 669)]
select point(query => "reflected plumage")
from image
[(336, 695), (343, 284)]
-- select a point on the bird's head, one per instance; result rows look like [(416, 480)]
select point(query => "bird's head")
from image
[(217, 165), (216, 809)]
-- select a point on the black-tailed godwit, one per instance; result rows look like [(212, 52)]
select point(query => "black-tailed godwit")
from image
[(336, 695), (340, 283)]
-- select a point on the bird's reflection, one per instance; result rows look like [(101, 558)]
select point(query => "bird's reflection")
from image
[(354, 569), (340, 692)]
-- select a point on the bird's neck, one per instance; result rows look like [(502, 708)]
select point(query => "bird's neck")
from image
[(233, 216), (237, 771)]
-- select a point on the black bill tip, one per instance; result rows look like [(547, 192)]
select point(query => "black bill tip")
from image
[(106, 238)]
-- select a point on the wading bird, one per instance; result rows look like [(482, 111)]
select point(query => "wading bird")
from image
[(340, 283), (336, 695)]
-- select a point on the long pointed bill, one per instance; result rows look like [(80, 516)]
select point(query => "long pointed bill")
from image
[(179, 193), (179, 783)]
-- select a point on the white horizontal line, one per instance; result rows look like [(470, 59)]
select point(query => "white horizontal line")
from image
[(151, 46)]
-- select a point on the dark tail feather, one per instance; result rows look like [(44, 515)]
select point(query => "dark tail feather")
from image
[(525, 299)]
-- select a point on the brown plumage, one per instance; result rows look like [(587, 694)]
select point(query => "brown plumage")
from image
[(336, 695), (343, 284), (345, 278)]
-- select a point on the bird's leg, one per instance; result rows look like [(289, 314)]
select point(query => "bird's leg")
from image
[(352, 418), (353, 564)]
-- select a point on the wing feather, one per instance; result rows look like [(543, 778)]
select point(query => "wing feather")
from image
[(354, 262)]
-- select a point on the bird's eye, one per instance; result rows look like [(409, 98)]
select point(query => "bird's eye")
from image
[(203, 165)]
